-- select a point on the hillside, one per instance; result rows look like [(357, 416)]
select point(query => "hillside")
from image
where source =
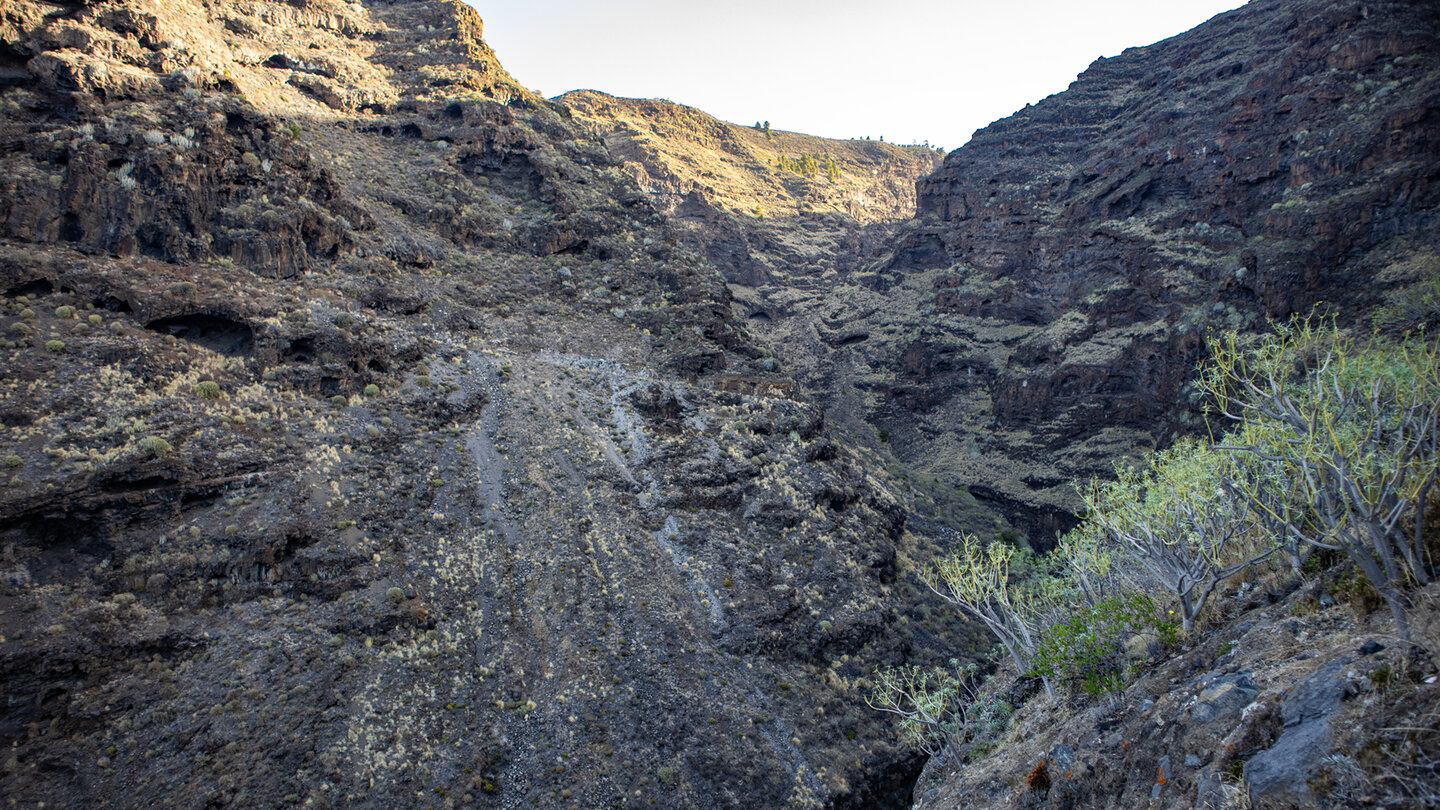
[(378, 433), (1043, 313), (747, 200), (371, 435)]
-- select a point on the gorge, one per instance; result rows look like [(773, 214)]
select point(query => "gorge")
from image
[(379, 433)]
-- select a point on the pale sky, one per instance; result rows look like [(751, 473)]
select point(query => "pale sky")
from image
[(908, 70)]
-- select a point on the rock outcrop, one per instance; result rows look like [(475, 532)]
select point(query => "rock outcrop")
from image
[(373, 440), (1043, 314), (381, 434)]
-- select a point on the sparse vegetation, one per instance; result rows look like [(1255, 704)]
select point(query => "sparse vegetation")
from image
[(810, 166), (155, 446), (1351, 428), (980, 581), (1089, 649)]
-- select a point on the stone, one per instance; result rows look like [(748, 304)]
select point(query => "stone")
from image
[(1223, 695), (1284, 770)]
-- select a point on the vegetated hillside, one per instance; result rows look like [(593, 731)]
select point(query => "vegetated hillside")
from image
[(373, 440), (1299, 697), (379, 434), (1065, 268), (772, 209), (1043, 313)]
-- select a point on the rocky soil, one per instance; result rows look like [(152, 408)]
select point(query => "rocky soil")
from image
[(373, 440), (378, 433), (1043, 313), (1299, 696)]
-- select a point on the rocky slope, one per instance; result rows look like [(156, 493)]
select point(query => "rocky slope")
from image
[(746, 198), (380, 434), (1042, 314), (1297, 696), (373, 440)]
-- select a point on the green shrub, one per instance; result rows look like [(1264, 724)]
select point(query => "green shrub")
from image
[(207, 389), (155, 446), (13, 461), (372, 390), (55, 346), (939, 708), (1340, 431), (95, 320), (65, 312), (1088, 650), (339, 401)]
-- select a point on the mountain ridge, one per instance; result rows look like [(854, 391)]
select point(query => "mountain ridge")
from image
[(380, 433)]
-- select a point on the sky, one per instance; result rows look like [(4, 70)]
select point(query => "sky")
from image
[(920, 70)]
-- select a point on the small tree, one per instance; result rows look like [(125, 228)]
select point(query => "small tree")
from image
[(1091, 561), (1176, 520), (1349, 428), (932, 704), (978, 580)]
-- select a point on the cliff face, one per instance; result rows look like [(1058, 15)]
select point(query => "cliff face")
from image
[(380, 434), (1043, 313), (771, 209), (372, 440)]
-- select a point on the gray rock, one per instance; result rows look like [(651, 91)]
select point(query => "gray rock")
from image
[(1282, 773), (1223, 695)]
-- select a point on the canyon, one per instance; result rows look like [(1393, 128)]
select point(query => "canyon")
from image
[(379, 433)]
